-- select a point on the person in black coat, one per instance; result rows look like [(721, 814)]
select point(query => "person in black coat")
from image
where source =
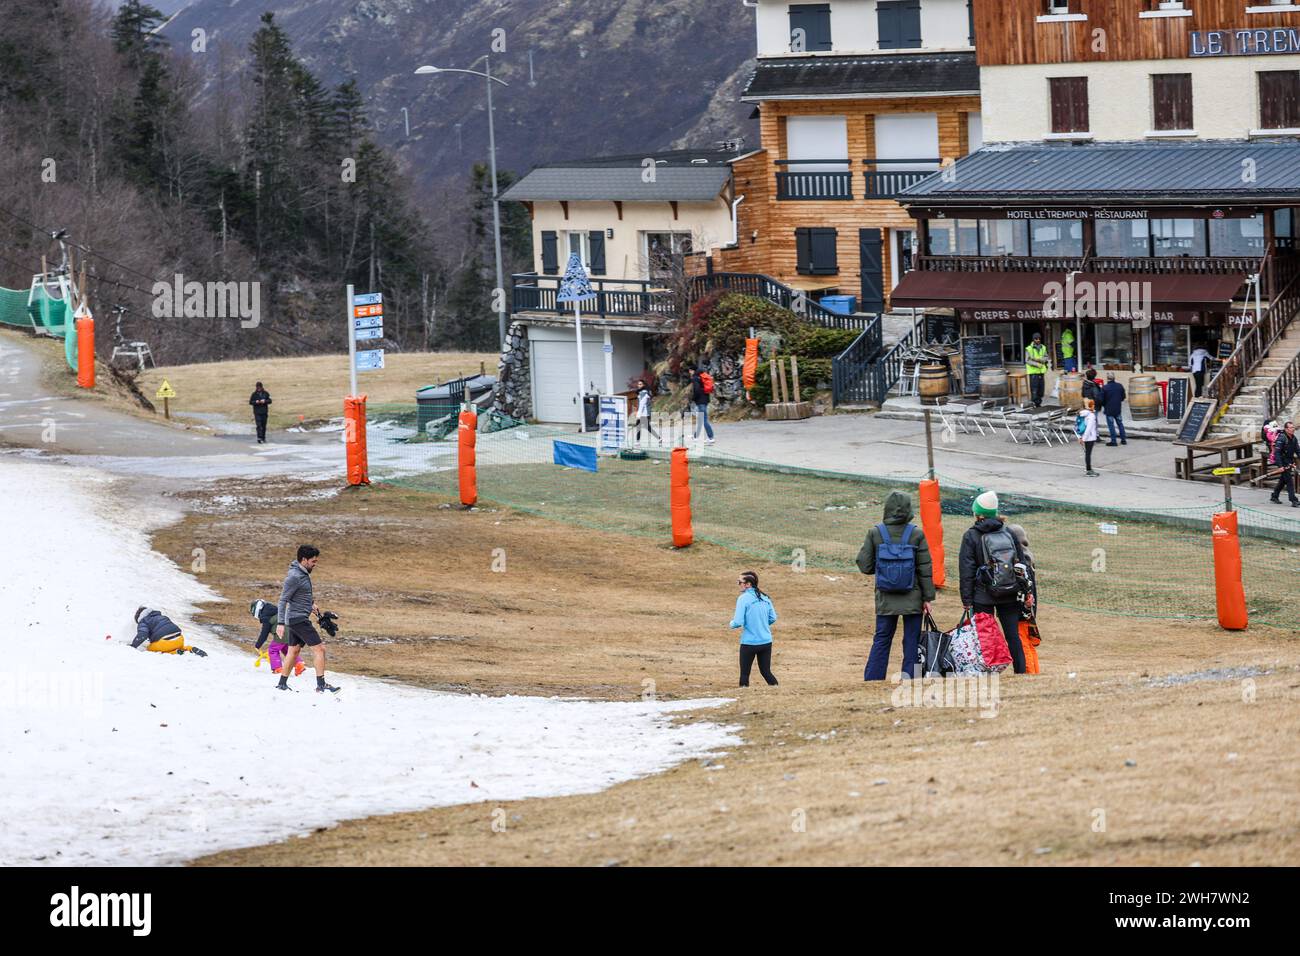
[(261, 402), (1286, 450), (975, 595)]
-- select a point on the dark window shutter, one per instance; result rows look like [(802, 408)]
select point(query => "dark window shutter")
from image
[(1069, 104), (815, 21), (550, 253), (1171, 94), (803, 251), (1279, 99), (899, 24), (597, 239), (873, 271), (825, 261)]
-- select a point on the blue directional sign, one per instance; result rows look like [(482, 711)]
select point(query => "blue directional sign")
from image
[(375, 333), (371, 360), (369, 322), (369, 298)]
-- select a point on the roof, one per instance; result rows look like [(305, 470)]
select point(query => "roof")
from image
[(890, 74), (681, 175), (1072, 172), (985, 290)]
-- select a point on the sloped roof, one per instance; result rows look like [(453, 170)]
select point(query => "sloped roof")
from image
[(1072, 172), (681, 175), (902, 74)]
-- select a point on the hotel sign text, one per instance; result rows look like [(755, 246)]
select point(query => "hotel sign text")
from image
[(1245, 42)]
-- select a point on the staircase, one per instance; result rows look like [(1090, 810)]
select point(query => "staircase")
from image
[(869, 368), (1251, 407)]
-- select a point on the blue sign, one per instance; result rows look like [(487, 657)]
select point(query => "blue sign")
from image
[(1245, 42), (575, 286), (375, 333), (369, 322), (369, 298), (574, 456), (369, 361)]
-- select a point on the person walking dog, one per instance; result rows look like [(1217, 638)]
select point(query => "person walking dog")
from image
[(897, 553), (755, 615)]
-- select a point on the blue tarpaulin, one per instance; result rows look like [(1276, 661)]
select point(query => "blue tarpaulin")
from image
[(575, 456)]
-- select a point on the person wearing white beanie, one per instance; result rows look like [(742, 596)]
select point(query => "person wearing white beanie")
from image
[(985, 547)]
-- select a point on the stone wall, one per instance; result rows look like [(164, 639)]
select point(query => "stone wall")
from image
[(513, 394)]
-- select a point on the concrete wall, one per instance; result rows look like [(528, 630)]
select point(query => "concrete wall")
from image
[(709, 224), (1225, 96), (944, 26)]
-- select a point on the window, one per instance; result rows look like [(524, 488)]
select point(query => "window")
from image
[(907, 136), (665, 253), (1050, 237), (817, 138), (1279, 99), (1013, 339), (1237, 237), (1126, 239), (1171, 101), (810, 28), (899, 24), (954, 237), (1004, 237), (815, 250), (1114, 343), (1171, 345), (590, 247), (1178, 237), (1069, 104)]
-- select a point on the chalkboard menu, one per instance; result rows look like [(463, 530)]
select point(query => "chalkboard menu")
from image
[(941, 328), (1177, 399), (978, 352), (1195, 421), (1225, 350)]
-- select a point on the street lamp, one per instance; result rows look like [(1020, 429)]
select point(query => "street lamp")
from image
[(492, 159)]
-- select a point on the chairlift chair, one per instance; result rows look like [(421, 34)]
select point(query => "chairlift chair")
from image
[(139, 351)]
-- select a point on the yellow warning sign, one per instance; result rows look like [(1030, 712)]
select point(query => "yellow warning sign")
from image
[(1224, 472), (165, 390)]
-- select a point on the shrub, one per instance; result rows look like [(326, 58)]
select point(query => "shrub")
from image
[(816, 341)]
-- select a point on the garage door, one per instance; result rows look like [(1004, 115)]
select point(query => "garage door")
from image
[(555, 377)]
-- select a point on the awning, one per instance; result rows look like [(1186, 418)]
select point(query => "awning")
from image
[(1115, 294)]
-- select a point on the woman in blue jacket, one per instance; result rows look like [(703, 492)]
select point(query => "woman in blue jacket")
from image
[(754, 613)]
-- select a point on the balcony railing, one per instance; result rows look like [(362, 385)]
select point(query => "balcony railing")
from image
[(631, 297), (1161, 265), (831, 184), (888, 183), (765, 287)]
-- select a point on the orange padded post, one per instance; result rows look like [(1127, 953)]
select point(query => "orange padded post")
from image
[(467, 438), (86, 352), (932, 525), (680, 500), (354, 436), (1228, 591), (749, 372)]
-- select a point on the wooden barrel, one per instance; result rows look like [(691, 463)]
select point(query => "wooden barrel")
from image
[(1070, 390), (933, 383), (993, 385), (1144, 398)]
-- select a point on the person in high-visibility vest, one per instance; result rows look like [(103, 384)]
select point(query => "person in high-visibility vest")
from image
[(1036, 363), (1068, 360)]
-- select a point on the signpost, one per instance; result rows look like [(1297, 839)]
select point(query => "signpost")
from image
[(165, 392), (365, 322)]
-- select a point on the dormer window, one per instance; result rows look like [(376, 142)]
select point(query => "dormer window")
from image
[(1165, 8), (899, 24), (810, 28)]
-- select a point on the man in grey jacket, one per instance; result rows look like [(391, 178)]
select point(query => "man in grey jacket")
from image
[(294, 610)]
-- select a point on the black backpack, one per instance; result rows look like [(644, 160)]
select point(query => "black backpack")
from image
[(1092, 390), (999, 571)]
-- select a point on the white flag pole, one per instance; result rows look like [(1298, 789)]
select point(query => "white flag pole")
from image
[(582, 378), (352, 344)]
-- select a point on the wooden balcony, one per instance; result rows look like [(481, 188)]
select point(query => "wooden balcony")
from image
[(614, 297), (879, 181)]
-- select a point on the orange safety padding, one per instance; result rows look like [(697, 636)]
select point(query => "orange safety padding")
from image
[(354, 436), (680, 499), (749, 374), (86, 352), (1029, 640), (1229, 594), (932, 525), (467, 438)]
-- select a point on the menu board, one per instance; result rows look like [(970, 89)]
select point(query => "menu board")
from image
[(1195, 421), (978, 352), (1178, 394), (941, 328)]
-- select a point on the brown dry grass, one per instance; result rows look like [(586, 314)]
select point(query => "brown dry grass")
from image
[(312, 387), (1215, 777)]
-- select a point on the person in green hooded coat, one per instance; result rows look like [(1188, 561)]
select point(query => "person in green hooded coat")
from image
[(892, 604)]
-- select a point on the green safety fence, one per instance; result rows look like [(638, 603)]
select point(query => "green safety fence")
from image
[(1096, 557), (45, 314)]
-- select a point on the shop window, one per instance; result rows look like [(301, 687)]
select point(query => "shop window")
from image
[(1171, 345), (1279, 99), (1049, 237), (1237, 237), (1178, 237), (1284, 229), (1114, 343), (1129, 239), (954, 237), (1013, 340), (1004, 237), (1171, 101)]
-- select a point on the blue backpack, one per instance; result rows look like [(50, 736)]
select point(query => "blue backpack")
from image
[(895, 562)]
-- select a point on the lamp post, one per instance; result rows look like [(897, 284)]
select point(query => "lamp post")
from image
[(492, 162)]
